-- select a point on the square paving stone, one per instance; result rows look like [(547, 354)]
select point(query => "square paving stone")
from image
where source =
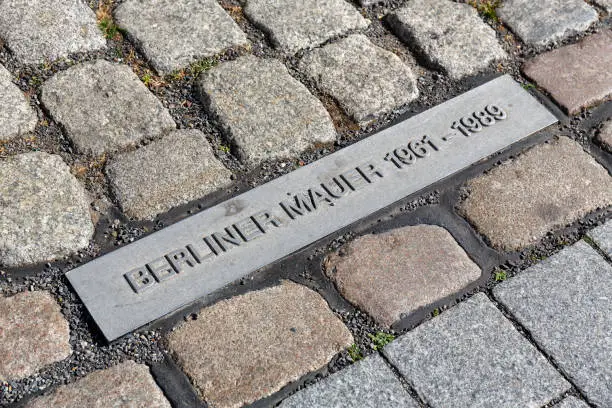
[(44, 210), (365, 79), (543, 22), (33, 334), (16, 115), (577, 76), (547, 187), (175, 170), (246, 348), (127, 385), (566, 304), (602, 236), (39, 30), (450, 36), (604, 138), (369, 383), (471, 356), (397, 272), (174, 33), (104, 107), (266, 113), (571, 402), (296, 24)]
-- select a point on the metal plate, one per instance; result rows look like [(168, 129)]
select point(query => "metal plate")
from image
[(158, 274)]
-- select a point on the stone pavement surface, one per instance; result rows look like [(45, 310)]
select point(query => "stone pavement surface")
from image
[(122, 117), (16, 115), (44, 212), (507, 204), (542, 22), (104, 107), (124, 385), (33, 334), (172, 33), (397, 272), (566, 304)]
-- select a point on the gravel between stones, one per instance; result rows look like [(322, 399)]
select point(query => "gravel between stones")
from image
[(44, 210)]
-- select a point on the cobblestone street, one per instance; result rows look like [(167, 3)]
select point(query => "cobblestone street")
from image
[(123, 119)]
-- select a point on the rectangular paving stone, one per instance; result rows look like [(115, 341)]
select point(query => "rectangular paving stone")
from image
[(547, 187), (174, 33), (125, 385), (40, 30), (571, 402), (472, 356), (33, 334), (602, 236), (540, 23), (264, 224), (16, 115), (577, 76), (294, 24), (566, 304), (368, 383), (397, 272), (366, 80), (450, 36), (246, 348), (175, 170), (104, 107), (266, 112)]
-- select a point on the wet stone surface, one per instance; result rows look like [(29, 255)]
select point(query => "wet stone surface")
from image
[(44, 210), (16, 115), (573, 83), (566, 302), (266, 113), (604, 138), (175, 170), (366, 384), (104, 107), (294, 24), (602, 236), (366, 80), (125, 385), (397, 272), (450, 36), (33, 334), (549, 186), (262, 340), (540, 23), (39, 30), (174, 33), (472, 356)]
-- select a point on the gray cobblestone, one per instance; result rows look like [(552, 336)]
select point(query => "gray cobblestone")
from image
[(104, 107), (365, 79), (265, 111), (604, 138), (44, 211), (543, 22), (366, 384), (179, 168), (471, 356), (174, 33), (602, 236), (16, 115), (39, 30), (293, 24), (571, 402), (605, 4), (566, 304), (451, 36)]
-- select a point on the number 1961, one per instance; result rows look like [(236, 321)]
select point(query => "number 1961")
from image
[(478, 120)]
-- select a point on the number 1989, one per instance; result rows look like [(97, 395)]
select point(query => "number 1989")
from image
[(475, 123)]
